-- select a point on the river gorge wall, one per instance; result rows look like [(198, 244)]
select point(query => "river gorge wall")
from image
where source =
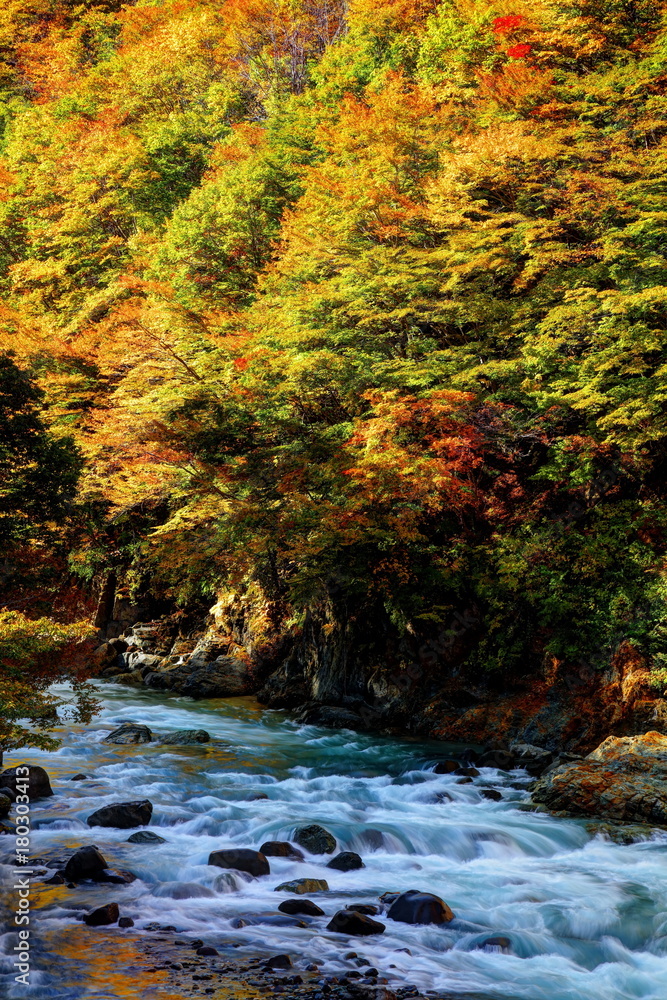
[(355, 668)]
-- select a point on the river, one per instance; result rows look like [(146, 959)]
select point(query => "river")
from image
[(585, 918)]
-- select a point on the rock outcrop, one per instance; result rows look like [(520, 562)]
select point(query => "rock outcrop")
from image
[(624, 779)]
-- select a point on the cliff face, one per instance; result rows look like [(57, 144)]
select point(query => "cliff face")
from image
[(356, 668)]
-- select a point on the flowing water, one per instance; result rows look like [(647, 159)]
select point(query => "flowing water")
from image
[(586, 918)]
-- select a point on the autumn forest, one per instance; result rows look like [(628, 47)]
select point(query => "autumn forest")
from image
[(359, 303)]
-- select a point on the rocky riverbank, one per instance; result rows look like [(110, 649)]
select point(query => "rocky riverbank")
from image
[(399, 683)]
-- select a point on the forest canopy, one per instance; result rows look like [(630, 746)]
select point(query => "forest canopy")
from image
[(358, 301)]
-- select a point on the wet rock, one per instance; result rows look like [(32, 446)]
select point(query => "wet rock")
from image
[(207, 950), (415, 907), (102, 915), (502, 759), (224, 677), (116, 876), (332, 716), (305, 906), (126, 922), (502, 944), (346, 861), (368, 908), (5, 805), (258, 797), (302, 886), (131, 677), (187, 737), (467, 772), (123, 815), (534, 759), (464, 781), (241, 859), (36, 781), (351, 922), (492, 794), (278, 962), (56, 879), (87, 862), (315, 839), (231, 881), (281, 849), (624, 779), (145, 837), (183, 890), (389, 897), (128, 734), (79, 777), (373, 839), (446, 767)]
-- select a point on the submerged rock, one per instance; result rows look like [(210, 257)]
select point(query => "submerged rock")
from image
[(315, 839), (296, 906), (352, 922), (102, 915), (231, 881), (183, 890), (123, 815), (301, 886), (186, 737), (624, 779), (129, 733), (242, 859), (281, 849), (415, 907), (145, 837), (36, 782), (346, 861)]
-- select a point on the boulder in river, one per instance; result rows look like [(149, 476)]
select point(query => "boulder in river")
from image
[(624, 779), (102, 915), (415, 907), (242, 859), (183, 890), (315, 839), (534, 759), (368, 908), (187, 737), (224, 677), (303, 886), (281, 849), (145, 837), (5, 805), (352, 922), (36, 782), (87, 862), (296, 906), (446, 767), (126, 922), (123, 815), (346, 861), (278, 962), (231, 881), (79, 777), (128, 734)]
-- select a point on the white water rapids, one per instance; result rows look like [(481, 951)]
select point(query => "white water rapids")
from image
[(586, 918)]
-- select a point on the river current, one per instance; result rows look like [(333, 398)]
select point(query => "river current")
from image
[(585, 918)]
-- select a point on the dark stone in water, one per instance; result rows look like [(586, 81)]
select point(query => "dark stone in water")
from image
[(145, 837), (187, 737), (351, 922), (389, 897), (242, 859), (183, 890), (54, 880), (446, 767), (315, 839), (278, 962), (464, 781), (123, 815), (493, 943), (79, 777), (207, 950), (502, 759), (491, 793), (346, 861), (467, 772), (102, 915), (281, 849), (126, 922), (258, 797), (87, 862), (128, 734), (415, 907), (37, 781), (306, 906), (116, 877), (368, 908)]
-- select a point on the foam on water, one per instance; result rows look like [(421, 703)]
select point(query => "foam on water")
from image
[(586, 918)]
